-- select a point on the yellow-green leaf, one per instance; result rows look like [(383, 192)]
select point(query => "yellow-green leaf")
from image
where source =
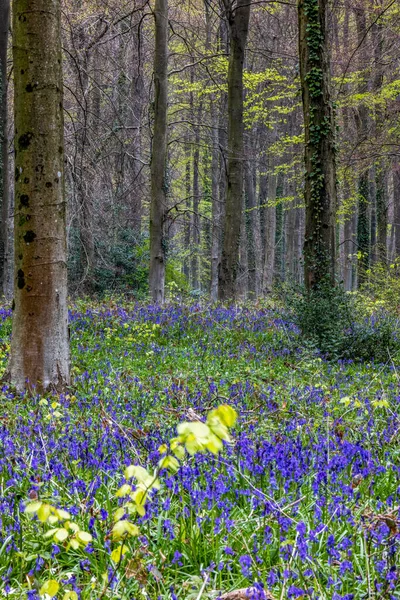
[(83, 537), (32, 507), (44, 512), (61, 535), (51, 588), (124, 490), (70, 595), (118, 552)]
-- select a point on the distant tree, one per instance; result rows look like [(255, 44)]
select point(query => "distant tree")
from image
[(40, 346), (319, 127), (159, 155), (237, 15)]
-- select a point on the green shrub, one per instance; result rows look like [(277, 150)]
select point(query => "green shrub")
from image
[(337, 324)]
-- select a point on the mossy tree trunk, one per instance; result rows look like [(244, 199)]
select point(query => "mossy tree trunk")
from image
[(362, 123), (238, 19), (158, 204), (4, 185), (319, 126), (40, 346)]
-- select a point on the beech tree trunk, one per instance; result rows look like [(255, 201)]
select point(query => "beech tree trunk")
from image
[(254, 233), (4, 185), (195, 249), (216, 208), (159, 155), (238, 19), (380, 170), (396, 207), (270, 233), (39, 346), (319, 124)]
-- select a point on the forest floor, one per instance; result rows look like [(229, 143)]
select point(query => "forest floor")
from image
[(304, 502)]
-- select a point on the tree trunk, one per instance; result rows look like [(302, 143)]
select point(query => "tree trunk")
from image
[(396, 207), (238, 19), (363, 228), (348, 248), (279, 265), (254, 233), (187, 219), (159, 155), (195, 248), (380, 175), (216, 208), (319, 123), (4, 184), (270, 233), (242, 281), (361, 117), (39, 347), (290, 243)]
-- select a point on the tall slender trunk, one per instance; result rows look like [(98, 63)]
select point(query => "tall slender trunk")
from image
[(159, 155), (349, 248), (319, 156), (361, 117), (238, 19), (279, 266), (39, 346), (195, 248), (138, 104), (4, 184), (216, 207), (298, 251), (188, 220), (242, 282), (380, 174), (254, 233), (270, 232), (396, 207), (290, 243)]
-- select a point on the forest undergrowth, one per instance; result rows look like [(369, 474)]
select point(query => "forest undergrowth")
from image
[(303, 502)]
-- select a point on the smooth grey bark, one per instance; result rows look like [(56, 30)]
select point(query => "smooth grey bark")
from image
[(188, 191), (290, 235), (195, 248), (254, 232), (215, 205), (349, 246), (238, 19), (381, 195), (39, 355), (270, 232), (4, 182), (396, 207), (158, 203), (242, 280)]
